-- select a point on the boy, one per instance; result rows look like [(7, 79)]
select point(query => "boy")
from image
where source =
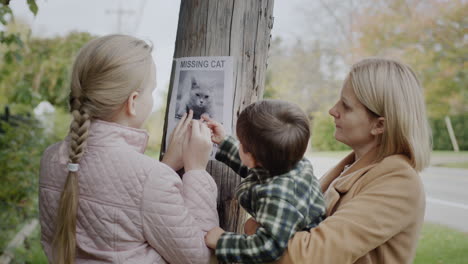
[(279, 188)]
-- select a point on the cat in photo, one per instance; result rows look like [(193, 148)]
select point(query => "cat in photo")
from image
[(200, 99)]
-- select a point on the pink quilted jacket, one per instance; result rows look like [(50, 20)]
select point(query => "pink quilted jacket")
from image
[(132, 208)]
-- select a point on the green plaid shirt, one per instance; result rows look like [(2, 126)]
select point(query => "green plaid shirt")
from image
[(282, 205)]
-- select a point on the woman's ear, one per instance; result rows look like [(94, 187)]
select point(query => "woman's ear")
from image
[(378, 127), (130, 106)]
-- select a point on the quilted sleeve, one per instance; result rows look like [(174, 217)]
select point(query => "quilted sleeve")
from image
[(200, 193), (172, 224)]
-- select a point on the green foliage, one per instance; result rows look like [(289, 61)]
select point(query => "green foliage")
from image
[(21, 145), (61, 120), (154, 125), (428, 35), (44, 73), (305, 73), (31, 251), (33, 6), (441, 138), (11, 42), (323, 130)]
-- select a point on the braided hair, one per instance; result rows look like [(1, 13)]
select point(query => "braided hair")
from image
[(106, 71)]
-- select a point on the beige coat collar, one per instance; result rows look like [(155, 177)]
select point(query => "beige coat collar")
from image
[(347, 180)]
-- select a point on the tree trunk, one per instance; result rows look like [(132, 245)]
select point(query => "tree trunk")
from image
[(227, 28)]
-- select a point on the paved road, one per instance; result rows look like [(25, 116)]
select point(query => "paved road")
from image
[(447, 196), (446, 193)]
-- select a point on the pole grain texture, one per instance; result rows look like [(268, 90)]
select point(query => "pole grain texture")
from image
[(235, 28)]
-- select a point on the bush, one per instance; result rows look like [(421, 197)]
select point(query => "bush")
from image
[(323, 130), (21, 146), (31, 251), (440, 135)]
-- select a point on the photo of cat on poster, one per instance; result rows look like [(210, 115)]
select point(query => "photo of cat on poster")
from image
[(205, 86), (202, 92)]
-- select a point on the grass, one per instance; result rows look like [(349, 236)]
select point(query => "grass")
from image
[(441, 245), (458, 165), (450, 159), (447, 153)]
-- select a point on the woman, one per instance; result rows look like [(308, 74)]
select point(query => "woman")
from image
[(375, 198)]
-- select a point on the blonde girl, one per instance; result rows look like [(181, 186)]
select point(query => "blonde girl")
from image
[(101, 199)]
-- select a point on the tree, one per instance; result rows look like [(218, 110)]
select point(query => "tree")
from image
[(11, 42), (44, 71), (305, 73), (428, 35)]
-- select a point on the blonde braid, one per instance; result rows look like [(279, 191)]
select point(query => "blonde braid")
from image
[(64, 241), (106, 71)]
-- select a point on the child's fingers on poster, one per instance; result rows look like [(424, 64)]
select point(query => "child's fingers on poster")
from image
[(206, 117), (206, 131), (188, 118), (195, 128), (180, 127)]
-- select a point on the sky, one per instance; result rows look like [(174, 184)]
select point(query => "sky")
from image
[(152, 20)]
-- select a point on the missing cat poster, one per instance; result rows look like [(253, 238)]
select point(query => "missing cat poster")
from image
[(204, 85)]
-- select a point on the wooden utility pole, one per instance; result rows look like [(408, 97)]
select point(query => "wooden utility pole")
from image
[(227, 28)]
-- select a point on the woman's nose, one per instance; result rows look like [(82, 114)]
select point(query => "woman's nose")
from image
[(333, 112)]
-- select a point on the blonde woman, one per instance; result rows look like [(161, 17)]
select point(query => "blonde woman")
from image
[(101, 199), (375, 198)]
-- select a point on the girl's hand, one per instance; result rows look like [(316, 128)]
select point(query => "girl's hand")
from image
[(197, 147), (173, 155), (250, 226), (212, 237), (218, 134)]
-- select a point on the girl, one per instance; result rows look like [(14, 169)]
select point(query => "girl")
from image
[(101, 199)]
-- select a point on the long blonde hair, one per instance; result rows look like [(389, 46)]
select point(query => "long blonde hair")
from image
[(390, 89), (106, 71)]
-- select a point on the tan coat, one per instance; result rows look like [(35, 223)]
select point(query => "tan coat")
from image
[(375, 212)]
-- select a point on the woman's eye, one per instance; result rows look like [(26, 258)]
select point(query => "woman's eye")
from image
[(197, 94), (345, 106)]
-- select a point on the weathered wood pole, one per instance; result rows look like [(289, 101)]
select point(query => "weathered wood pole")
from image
[(238, 28)]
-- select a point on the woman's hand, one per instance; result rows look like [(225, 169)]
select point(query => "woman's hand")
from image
[(250, 226), (217, 130), (212, 237), (173, 155), (197, 146)]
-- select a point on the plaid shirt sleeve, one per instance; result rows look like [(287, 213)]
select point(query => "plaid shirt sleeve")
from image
[(278, 219), (228, 153)]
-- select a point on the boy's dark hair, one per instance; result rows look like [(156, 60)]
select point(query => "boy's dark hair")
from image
[(275, 132)]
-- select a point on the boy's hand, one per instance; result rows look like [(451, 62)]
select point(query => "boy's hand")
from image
[(173, 155), (217, 130), (250, 226), (212, 237)]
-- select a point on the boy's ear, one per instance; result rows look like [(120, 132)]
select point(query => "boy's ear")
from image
[(378, 127), (130, 106), (254, 162)]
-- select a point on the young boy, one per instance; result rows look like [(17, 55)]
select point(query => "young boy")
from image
[(279, 188)]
